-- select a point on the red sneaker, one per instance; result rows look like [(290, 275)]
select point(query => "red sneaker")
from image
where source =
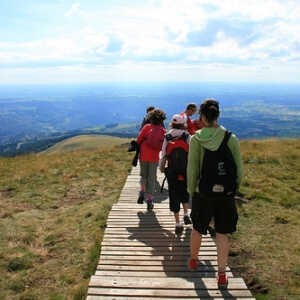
[(192, 264), (222, 280)]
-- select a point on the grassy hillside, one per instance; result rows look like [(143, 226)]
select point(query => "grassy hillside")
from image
[(53, 210), (85, 142), (266, 247)]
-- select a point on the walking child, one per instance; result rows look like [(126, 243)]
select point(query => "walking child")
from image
[(175, 153)]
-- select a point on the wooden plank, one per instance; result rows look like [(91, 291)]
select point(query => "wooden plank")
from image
[(116, 262), (162, 274), (105, 297), (204, 257), (165, 284), (152, 267), (154, 243), (215, 294)]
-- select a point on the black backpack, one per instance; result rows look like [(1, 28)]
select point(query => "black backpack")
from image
[(177, 157), (219, 172)]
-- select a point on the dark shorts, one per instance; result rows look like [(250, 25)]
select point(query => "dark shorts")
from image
[(177, 195), (222, 210)]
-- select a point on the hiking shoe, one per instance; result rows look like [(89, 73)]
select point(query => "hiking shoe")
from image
[(192, 264), (222, 280), (141, 198), (187, 220), (150, 205), (178, 229)]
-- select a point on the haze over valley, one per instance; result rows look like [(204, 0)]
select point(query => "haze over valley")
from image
[(33, 114)]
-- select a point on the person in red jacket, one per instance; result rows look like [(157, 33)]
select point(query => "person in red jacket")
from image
[(196, 125), (149, 158), (190, 110)]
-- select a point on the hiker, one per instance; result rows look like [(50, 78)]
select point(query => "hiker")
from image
[(150, 140), (146, 117), (177, 186), (190, 110), (196, 125), (217, 201)]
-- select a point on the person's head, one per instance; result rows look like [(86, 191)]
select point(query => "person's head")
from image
[(157, 116), (149, 109), (177, 122), (191, 109), (210, 109)]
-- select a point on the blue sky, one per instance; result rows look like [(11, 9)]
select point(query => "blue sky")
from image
[(65, 41)]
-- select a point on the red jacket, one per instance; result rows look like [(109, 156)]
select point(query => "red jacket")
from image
[(147, 153), (196, 125), (189, 127)]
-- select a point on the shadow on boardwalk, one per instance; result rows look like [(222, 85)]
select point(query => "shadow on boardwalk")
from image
[(142, 258), (173, 249)]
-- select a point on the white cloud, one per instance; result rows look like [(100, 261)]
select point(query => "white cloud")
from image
[(73, 9), (151, 39)]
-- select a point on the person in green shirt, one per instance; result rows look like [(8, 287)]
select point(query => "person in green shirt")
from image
[(207, 207)]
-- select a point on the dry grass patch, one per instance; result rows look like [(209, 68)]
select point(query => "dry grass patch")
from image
[(54, 210), (53, 213), (267, 239)]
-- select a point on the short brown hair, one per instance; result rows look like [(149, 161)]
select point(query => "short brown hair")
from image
[(157, 116)]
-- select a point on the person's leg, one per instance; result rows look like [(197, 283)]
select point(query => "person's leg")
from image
[(222, 250), (225, 218), (143, 181), (186, 217), (176, 216), (201, 215), (195, 243), (151, 179), (184, 199), (174, 204), (185, 208)]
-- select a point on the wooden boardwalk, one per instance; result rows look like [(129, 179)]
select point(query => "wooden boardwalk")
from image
[(142, 258)]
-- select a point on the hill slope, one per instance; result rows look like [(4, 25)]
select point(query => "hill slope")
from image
[(53, 211), (86, 142)]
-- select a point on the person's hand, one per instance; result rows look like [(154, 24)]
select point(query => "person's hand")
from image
[(133, 146)]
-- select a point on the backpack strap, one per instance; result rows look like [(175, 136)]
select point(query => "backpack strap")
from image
[(184, 136), (162, 185), (225, 140), (169, 137)]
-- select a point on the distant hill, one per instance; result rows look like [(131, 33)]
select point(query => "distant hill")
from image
[(86, 142), (33, 118)]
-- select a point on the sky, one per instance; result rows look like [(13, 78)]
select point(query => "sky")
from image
[(66, 41)]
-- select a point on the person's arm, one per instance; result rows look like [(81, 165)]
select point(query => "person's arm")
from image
[(144, 122), (193, 167), (162, 160), (142, 135), (234, 146), (190, 126)]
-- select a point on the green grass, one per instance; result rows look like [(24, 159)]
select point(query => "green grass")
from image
[(85, 142), (268, 230), (53, 210)]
